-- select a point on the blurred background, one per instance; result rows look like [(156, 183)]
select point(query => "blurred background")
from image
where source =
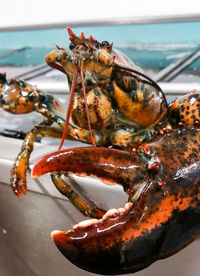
[(163, 38)]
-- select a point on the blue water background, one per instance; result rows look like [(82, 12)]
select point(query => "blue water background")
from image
[(148, 45)]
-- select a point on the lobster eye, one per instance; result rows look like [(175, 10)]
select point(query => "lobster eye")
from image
[(72, 46), (2, 78), (105, 44)]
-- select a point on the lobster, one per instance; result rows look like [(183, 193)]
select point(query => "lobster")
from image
[(149, 147)]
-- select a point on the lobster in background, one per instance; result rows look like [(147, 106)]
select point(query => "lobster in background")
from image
[(140, 142)]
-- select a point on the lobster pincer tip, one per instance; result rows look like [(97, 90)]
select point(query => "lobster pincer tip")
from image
[(47, 164), (63, 242), (35, 172), (37, 169), (58, 236)]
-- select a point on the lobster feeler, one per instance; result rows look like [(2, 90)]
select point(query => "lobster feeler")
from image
[(71, 96), (69, 106), (86, 106)]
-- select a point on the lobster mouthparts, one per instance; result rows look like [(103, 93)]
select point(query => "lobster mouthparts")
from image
[(163, 213)]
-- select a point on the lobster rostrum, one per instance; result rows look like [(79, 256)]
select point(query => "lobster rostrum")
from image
[(147, 146)]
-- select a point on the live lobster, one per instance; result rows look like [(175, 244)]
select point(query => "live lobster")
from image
[(149, 147)]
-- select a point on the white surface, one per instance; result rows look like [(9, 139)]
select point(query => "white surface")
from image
[(28, 13)]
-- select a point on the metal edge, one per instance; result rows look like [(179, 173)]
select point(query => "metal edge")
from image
[(110, 21)]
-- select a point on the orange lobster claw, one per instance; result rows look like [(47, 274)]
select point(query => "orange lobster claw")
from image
[(108, 164), (161, 220)]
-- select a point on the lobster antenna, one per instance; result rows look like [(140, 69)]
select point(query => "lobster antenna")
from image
[(86, 106), (69, 107)]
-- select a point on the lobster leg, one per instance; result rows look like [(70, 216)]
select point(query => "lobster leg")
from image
[(18, 172), (85, 208)]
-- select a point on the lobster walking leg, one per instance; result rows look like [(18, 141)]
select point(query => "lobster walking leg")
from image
[(18, 173), (86, 209)]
